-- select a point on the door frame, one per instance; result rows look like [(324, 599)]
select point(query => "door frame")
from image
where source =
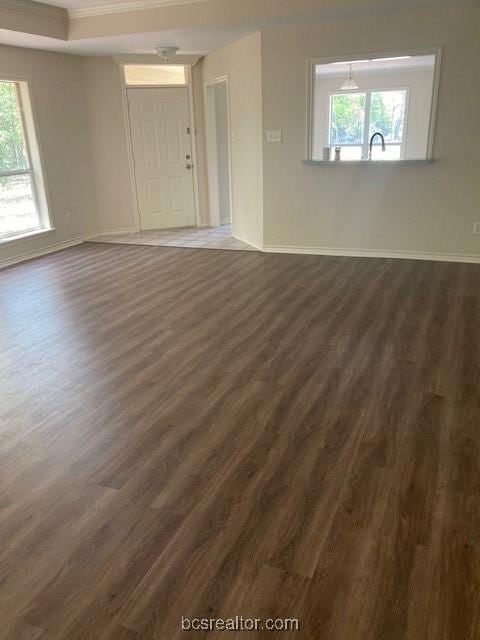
[(211, 154), (193, 131)]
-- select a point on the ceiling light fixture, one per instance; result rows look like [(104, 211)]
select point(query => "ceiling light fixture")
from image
[(167, 53), (349, 83)]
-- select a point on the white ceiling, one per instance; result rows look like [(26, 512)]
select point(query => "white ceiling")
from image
[(191, 41), (376, 66), (194, 41), (78, 4), (75, 4), (83, 4)]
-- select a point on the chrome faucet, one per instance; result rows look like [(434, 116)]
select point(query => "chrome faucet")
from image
[(384, 148)]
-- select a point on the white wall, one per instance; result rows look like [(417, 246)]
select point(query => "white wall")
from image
[(221, 114), (419, 83), (107, 132), (241, 62), (424, 209), (60, 111)]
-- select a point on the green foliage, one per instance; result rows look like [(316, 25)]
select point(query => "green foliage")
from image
[(12, 147), (379, 117), (348, 118), (387, 115)]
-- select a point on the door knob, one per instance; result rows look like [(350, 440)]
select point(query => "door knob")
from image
[(189, 166)]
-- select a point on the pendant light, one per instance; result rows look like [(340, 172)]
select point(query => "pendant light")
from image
[(350, 83)]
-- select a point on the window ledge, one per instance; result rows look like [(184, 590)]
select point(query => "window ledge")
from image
[(362, 163), (19, 237)]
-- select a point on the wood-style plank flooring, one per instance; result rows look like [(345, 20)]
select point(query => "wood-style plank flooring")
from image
[(211, 434)]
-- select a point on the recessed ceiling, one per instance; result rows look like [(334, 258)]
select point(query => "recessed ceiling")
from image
[(77, 4), (191, 41), (73, 5)]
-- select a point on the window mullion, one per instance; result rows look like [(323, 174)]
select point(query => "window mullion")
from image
[(366, 131), (16, 172)]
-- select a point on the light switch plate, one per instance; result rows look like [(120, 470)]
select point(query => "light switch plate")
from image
[(274, 136)]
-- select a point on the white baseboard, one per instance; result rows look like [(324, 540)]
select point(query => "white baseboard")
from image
[(317, 251), (112, 232), (28, 255), (58, 246), (258, 247), (362, 253)]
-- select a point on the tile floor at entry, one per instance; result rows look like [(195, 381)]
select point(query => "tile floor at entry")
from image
[(189, 237)]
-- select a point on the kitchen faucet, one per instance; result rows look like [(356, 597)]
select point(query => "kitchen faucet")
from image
[(384, 148)]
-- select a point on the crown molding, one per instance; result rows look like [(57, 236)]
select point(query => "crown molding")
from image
[(125, 7), (35, 8)]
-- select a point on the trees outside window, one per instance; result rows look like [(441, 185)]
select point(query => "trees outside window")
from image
[(19, 179), (356, 116)]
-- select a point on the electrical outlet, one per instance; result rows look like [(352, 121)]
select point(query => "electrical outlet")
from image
[(476, 228), (67, 218)]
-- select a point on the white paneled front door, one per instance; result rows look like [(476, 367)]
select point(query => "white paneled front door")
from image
[(162, 152)]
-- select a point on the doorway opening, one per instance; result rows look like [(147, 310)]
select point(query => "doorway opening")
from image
[(217, 119)]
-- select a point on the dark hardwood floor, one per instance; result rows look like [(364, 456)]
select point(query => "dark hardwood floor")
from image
[(210, 434)]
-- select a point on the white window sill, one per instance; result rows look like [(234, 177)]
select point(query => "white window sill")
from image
[(27, 235), (363, 163)]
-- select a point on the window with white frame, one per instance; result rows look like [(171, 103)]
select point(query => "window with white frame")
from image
[(380, 108), (23, 206), (356, 116)]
